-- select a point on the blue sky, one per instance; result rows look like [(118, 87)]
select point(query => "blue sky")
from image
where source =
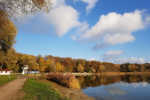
[(105, 30)]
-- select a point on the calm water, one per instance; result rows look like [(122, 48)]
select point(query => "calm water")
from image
[(117, 87)]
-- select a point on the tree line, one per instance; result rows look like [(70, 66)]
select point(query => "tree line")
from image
[(16, 61)]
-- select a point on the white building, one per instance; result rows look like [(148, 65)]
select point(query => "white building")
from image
[(5, 72), (25, 70)]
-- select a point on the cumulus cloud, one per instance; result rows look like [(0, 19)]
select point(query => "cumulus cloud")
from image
[(62, 17), (114, 28)]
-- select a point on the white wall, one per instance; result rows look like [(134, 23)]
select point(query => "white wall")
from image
[(5, 73)]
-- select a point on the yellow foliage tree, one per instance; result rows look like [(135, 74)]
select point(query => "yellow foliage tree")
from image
[(101, 68), (8, 32), (80, 68), (59, 67)]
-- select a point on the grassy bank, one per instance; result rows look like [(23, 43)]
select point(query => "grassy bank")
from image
[(5, 79), (37, 90)]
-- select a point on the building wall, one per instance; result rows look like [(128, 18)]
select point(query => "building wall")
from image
[(5, 73)]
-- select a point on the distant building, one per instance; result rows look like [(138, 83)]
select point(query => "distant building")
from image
[(26, 70), (5, 72), (33, 72)]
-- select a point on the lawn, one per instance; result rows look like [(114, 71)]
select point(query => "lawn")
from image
[(6, 78), (37, 90)]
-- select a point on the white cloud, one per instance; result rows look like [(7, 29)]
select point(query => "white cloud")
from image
[(62, 17), (114, 53), (118, 38), (115, 57), (91, 4), (92, 59), (114, 28), (147, 20), (131, 60), (109, 56), (82, 28), (113, 23), (57, 3)]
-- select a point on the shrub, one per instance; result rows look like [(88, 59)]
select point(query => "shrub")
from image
[(67, 80)]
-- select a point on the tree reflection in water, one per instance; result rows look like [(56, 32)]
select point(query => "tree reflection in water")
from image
[(94, 81), (127, 87)]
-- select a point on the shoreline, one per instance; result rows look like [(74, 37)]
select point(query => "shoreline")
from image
[(72, 94), (111, 73)]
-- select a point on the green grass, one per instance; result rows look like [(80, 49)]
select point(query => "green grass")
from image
[(36, 90), (5, 79)]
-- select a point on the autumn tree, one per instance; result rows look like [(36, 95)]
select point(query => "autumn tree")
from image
[(9, 60), (134, 68), (80, 68), (101, 68), (50, 65), (27, 60), (41, 63), (69, 64), (59, 67), (7, 32), (14, 9)]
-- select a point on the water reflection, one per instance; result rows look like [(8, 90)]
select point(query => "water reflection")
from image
[(115, 90), (129, 87), (93, 81)]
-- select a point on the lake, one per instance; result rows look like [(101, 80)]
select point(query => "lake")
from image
[(128, 87)]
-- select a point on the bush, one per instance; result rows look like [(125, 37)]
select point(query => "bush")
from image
[(67, 80)]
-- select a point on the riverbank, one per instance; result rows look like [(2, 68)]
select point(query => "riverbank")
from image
[(48, 90), (72, 94), (39, 90)]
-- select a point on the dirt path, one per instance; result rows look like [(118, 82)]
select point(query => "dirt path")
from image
[(11, 91)]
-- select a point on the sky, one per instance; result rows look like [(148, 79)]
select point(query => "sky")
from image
[(115, 31)]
